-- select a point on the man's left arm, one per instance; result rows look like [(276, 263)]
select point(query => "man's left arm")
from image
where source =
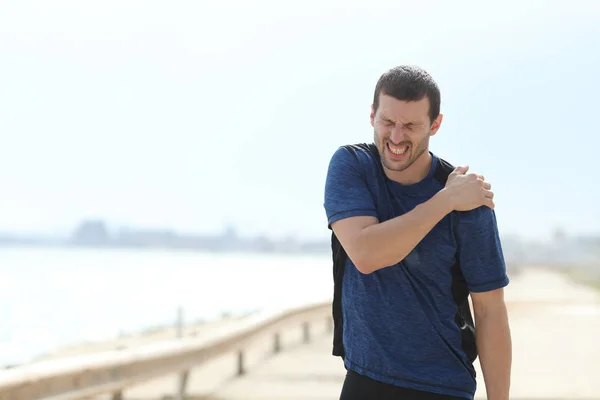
[(482, 264), (494, 344)]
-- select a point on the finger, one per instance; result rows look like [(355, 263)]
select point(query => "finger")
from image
[(487, 185), (481, 177), (461, 170), (489, 194), (490, 203)]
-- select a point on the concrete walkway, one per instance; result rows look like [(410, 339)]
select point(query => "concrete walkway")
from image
[(556, 354)]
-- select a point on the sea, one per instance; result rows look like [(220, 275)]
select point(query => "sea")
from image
[(51, 297)]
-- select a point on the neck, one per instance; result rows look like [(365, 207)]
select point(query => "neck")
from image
[(417, 171)]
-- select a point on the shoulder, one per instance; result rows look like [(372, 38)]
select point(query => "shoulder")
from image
[(482, 216), (352, 155), (358, 151), (442, 169), (348, 184)]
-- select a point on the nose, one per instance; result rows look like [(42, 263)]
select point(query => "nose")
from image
[(398, 134)]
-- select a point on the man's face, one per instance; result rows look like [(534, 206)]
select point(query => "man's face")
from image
[(402, 131)]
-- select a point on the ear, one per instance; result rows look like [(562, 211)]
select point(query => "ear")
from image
[(372, 116), (436, 125)]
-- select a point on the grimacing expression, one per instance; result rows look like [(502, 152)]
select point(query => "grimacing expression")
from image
[(402, 130)]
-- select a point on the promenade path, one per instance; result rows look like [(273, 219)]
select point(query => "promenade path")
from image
[(556, 353)]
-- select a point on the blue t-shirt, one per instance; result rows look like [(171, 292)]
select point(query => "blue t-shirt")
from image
[(399, 322)]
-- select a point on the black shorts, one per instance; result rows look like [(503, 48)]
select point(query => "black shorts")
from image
[(359, 387)]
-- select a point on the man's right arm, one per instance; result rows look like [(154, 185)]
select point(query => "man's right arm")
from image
[(372, 245)]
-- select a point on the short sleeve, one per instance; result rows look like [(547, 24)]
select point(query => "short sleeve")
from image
[(346, 191), (480, 251)]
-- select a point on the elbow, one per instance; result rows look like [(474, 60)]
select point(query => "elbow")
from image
[(364, 269), (366, 259), (497, 312), (369, 261), (359, 257), (489, 305), (365, 265)]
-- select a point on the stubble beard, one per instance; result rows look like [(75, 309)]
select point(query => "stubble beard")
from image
[(416, 152)]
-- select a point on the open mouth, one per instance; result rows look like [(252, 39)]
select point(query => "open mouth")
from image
[(397, 151)]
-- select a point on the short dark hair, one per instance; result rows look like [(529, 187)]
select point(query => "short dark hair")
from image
[(409, 83)]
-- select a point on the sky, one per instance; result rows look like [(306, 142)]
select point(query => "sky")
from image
[(195, 115)]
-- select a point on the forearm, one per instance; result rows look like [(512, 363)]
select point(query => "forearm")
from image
[(389, 242), (495, 351)]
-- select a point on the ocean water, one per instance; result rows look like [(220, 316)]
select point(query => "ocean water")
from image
[(51, 297)]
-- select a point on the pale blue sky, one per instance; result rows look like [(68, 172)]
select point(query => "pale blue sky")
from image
[(191, 114)]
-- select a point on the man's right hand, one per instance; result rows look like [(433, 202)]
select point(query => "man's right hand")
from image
[(468, 191)]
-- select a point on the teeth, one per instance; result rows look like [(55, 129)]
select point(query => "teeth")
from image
[(398, 151)]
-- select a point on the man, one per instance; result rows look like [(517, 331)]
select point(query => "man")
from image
[(400, 333)]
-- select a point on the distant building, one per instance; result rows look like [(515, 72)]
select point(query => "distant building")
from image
[(91, 233), (559, 235)]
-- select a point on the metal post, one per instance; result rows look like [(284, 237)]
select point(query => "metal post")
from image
[(306, 329), (179, 323), (240, 367), (276, 343), (183, 378)]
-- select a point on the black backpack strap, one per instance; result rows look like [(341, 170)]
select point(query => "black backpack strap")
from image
[(442, 171), (460, 291), (339, 258), (339, 264)]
